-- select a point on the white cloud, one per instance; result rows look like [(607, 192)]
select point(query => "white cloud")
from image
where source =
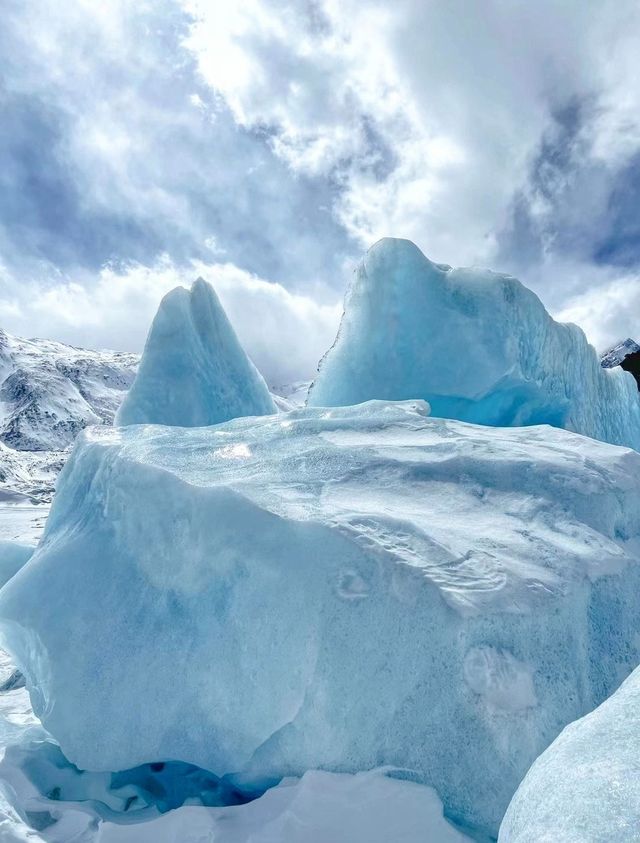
[(284, 333), (459, 94), (282, 138), (608, 312)]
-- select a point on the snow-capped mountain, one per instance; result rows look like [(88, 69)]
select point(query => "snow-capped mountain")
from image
[(50, 391), (615, 355)]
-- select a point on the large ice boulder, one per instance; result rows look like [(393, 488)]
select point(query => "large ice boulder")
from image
[(13, 555), (194, 371), (586, 787), (477, 345), (332, 588)]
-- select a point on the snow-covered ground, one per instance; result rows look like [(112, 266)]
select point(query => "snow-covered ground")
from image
[(49, 392)]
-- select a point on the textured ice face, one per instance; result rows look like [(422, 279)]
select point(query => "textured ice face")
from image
[(477, 345), (13, 555), (194, 371), (332, 588), (584, 788)]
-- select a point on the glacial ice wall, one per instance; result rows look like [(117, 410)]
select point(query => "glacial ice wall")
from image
[(477, 345), (13, 555), (193, 370), (338, 589), (584, 788)]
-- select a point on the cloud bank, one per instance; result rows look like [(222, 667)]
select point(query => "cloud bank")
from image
[(266, 144)]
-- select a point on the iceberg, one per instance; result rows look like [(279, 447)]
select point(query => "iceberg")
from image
[(477, 345), (333, 588), (13, 555), (194, 371), (584, 788)]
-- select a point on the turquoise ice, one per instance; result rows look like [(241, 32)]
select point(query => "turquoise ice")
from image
[(477, 345), (584, 788), (335, 589), (194, 371)]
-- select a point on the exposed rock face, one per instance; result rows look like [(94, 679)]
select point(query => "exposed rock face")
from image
[(49, 391), (625, 354)]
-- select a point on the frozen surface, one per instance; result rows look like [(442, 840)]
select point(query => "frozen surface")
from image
[(45, 799), (290, 396), (21, 521), (340, 589), (13, 555), (194, 370), (586, 787), (319, 808), (477, 345)]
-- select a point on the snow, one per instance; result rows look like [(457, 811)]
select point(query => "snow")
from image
[(477, 345), (30, 475), (617, 353), (21, 521), (45, 799), (289, 396), (335, 589), (319, 808), (50, 391), (584, 788), (193, 370)]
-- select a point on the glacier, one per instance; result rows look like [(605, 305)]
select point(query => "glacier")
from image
[(193, 370), (477, 345), (46, 799), (584, 788), (337, 588), (13, 555)]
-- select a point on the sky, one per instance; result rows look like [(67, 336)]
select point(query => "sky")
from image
[(265, 145)]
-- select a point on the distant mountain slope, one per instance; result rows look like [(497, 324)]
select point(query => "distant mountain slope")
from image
[(50, 391), (617, 353)]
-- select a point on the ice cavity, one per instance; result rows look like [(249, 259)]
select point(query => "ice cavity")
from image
[(584, 788), (339, 588), (477, 345), (194, 371)]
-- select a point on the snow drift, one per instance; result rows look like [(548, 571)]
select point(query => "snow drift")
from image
[(584, 788), (193, 370), (477, 345), (338, 589)]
